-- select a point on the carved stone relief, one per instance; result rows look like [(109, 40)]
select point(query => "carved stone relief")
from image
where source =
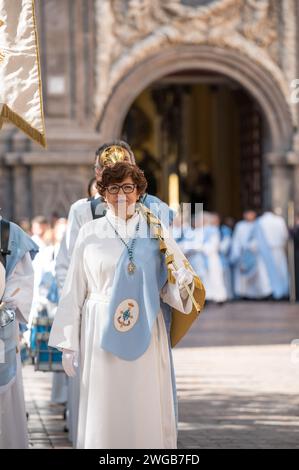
[(130, 30)]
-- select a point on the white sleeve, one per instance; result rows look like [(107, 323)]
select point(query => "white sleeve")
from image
[(66, 326), (19, 288), (66, 247)]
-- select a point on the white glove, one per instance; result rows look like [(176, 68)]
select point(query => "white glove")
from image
[(69, 362), (183, 276)]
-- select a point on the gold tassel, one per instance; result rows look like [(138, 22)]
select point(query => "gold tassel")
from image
[(170, 276), (6, 114), (163, 246), (169, 259)]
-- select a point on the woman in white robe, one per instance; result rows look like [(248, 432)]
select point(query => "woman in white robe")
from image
[(123, 403)]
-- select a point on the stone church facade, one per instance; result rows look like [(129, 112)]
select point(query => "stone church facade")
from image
[(99, 55)]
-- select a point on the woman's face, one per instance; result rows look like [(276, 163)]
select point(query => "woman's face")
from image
[(123, 202)]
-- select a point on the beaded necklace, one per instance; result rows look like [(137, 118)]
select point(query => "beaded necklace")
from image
[(129, 247)]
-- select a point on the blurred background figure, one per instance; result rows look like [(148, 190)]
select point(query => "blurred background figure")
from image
[(201, 246), (25, 225), (250, 278), (226, 231), (272, 235), (45, 300), (92, 188), (39, 228), (295, 235), (215, 283)]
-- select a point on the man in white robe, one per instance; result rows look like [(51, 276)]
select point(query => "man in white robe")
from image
[(16, 292)]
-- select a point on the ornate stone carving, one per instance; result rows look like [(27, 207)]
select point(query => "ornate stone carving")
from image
[(58, 188), (130, 30)]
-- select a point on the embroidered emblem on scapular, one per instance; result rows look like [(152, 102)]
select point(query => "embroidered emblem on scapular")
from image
[(126, 315)]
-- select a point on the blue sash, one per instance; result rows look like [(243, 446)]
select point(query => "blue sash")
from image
[(19, 244), (136, 295), (8, 343), (225, 232), (278, 284)]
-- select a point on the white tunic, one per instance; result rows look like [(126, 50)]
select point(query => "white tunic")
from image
[(13, 423), (79, 214), (252, 286), (123, 404)]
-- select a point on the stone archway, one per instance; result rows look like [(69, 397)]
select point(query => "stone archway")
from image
[(255, 79)]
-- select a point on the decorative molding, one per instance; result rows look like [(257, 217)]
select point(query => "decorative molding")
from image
[(128, 31)]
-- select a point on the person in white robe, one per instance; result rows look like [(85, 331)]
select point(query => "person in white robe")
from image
[(16, 293), (250, 278), (59, 379), (276, 236), (224, 251), (215, 281), (121, 406), (202, 247), (81, 212)]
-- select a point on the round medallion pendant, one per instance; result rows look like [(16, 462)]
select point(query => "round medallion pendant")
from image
[(126, 315)]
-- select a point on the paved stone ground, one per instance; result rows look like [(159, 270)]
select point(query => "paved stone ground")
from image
[(237, 384), (46, 422)]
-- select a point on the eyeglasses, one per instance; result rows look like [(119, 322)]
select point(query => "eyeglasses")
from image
[(126, 187)]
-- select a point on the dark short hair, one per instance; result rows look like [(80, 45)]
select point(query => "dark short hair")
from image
[(120, 143), (118, 172)]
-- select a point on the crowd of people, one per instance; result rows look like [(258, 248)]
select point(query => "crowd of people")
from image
[(245, 260)]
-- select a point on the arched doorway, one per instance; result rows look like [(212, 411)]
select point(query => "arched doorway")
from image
[(259, 94), (206, 129)]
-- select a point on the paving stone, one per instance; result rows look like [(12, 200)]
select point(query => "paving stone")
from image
[(237, 385)]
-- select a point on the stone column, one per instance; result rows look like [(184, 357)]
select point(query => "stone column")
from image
[(20, 190)]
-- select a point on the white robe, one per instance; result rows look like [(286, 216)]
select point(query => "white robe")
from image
[(276, 234), (256, 285), (123, 404), (212, 275), (13, 422), (214, 282), (79, 214)]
